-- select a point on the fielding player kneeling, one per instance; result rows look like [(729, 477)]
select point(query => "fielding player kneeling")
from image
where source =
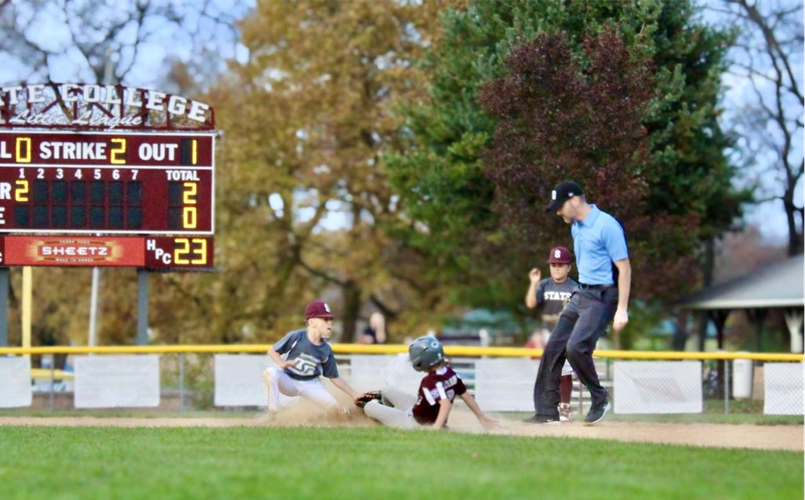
[(302, 356), (431, 407)]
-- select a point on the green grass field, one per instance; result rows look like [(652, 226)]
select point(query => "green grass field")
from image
[(287, 463)]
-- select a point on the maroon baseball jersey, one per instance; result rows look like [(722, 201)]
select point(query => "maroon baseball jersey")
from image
[(443, 383)]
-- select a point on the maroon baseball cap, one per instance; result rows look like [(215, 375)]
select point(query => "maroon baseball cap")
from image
[(318, 309), (560, 255)]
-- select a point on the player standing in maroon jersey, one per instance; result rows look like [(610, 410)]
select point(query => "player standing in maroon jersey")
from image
[(551, 295)]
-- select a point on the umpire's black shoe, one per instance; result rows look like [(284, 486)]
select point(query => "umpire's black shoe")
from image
[(597, 413), (542, 420)]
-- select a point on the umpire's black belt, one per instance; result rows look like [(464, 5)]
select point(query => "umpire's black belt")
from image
[(584, 286)]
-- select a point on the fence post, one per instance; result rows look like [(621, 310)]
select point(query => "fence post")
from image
[(4, 307), (726, 387), (52, 377), (181, 382), (142, 307)]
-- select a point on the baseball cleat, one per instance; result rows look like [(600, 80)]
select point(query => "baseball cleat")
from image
[(541, 420), (565, 413)]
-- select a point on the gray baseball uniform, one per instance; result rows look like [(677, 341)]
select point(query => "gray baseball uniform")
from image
[(310, 360), (552, 297)]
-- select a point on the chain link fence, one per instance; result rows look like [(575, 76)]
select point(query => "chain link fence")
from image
[(183, 382)]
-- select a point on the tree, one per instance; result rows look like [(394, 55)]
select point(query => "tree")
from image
[(302, 200), (744, 253), (767, 57), (554, 123), (441, 175), (304, 196)]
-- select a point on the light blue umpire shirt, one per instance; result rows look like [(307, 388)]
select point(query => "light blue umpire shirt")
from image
[(598, 242)]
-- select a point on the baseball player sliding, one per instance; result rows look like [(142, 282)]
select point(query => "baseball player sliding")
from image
[(431, 406), (302, 356)]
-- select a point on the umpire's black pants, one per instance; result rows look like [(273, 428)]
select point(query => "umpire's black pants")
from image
[(580, 326)]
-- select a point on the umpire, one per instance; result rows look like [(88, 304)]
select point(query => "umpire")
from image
[(602, 260)]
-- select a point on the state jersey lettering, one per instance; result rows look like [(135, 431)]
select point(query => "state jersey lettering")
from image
[(443, 383), (310, 360), (552, 297)]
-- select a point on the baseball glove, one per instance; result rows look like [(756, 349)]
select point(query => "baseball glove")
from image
[(365, 398)]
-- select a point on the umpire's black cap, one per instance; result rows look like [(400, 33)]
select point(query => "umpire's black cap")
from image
[(563, 192)]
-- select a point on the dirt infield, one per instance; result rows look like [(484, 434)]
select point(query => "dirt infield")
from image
[(778, 437)]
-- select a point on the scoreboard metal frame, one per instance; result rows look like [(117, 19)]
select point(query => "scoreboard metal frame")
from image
[(165, 180)]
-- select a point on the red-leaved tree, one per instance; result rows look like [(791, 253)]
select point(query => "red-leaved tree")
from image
[(582, 118)]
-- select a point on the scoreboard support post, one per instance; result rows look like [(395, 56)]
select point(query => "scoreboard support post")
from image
[(92, 339), (142, 307), (27, 304), (4, 306)]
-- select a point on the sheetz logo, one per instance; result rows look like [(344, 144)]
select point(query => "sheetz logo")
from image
[(74, 251)]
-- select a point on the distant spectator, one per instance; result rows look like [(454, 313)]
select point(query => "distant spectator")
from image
[(375, 332), (537, 340)]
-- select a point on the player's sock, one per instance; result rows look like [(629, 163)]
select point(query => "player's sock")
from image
[(565, 388)]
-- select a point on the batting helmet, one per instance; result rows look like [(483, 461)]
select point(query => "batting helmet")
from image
[(425, 352)]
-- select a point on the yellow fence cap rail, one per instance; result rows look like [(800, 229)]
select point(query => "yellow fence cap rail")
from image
[(456, 351), (44, 373)]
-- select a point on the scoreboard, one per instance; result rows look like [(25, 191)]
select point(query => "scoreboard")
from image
[(106, 176), (121, 182)]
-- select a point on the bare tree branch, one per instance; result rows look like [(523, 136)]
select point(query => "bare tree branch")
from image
[(322, 274), (773, 48), (769, 36), (751, 71), (102, 28)]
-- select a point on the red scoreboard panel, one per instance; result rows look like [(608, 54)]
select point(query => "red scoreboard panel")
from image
[(107, 182), (157, 253)]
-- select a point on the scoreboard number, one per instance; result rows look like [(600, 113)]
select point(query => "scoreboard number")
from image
[(186, 246), (20, 194), (189, 213), (23, 158), (120, 150)]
